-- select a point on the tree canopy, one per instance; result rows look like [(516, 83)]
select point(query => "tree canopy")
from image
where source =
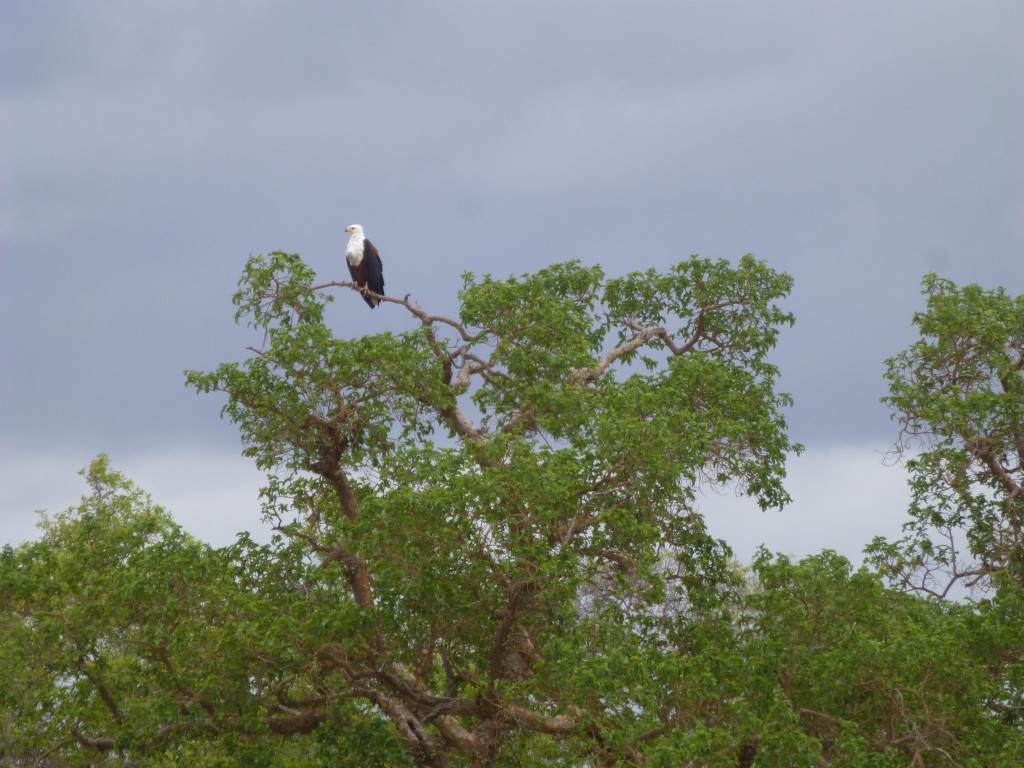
[(958, 395), (490, 551)]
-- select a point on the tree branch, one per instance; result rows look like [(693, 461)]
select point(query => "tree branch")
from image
[(292, 725), (102, 690), (419, 312), (644, 335), (101, 743)]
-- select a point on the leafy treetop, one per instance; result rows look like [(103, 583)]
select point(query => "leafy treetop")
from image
[(476, 478), (958, 395)]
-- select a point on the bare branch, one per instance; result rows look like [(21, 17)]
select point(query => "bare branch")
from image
[(101, 743), (644, 335), (442, 709), (424, 317), (561, 725), (459, 422), (291, 725)]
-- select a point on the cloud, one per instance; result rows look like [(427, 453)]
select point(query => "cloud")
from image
[(153, 147), (211, 494), (843, 496)]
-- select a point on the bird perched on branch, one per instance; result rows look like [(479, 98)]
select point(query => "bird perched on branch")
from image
[(364, 265)]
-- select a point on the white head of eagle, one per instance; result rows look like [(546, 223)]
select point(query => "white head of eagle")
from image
[(364, 265)]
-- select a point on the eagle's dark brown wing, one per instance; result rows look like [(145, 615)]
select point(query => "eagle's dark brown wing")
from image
[(372, 273)]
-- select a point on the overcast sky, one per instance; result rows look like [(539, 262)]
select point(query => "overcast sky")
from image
[(146, 149)]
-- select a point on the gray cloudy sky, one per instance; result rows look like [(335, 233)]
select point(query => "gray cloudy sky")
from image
[(146, 149)]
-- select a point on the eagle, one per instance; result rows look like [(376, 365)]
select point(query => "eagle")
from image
[(364, 265)]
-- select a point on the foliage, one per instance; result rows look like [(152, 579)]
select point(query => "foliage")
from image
[(873, 676), (475, 479), (489, 551), (958, 394), (122, 632)]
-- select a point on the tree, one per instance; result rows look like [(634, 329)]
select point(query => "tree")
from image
[(958, 395), (477, 480), (489, 551), (839, 670), (126, 642), (123, 637)]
